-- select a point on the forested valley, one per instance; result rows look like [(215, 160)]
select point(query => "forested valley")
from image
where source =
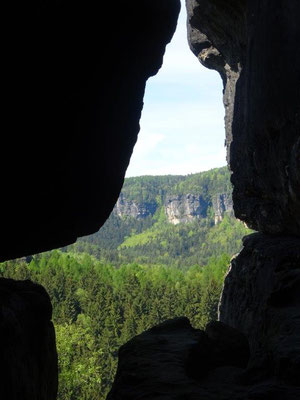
[(140, 269)]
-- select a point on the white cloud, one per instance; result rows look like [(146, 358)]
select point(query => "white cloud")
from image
[(147, 142)]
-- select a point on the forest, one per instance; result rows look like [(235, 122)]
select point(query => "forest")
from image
[(131, 275), (97, 308)]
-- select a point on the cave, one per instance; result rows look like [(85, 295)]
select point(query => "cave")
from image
[(73, 86)]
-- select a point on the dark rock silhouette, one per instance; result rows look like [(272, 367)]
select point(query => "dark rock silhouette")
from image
[(261, 298), (261, 79), (73, 80), (174, 361), (28, 352), (73, 92)]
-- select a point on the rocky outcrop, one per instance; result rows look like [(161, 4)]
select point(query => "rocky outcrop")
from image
[(217, 36), (73, 95), (179, 209), (129, 208), (261, 79), (174, 361), (261, 298), (222, 203), (262, 101), (185, 208), (28, 353)]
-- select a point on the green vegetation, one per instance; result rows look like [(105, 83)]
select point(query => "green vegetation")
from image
[(97, 308), (132, 275), (153, 240), (157, 242)]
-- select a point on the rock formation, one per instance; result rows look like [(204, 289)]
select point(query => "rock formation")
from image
[(28, 353), (261, 98), (179, 209), (261, 298), (222, 203), (252, 44), (186, 208), (73, 82), (129, 208)]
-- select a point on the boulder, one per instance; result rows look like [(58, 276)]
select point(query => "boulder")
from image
[(27, 342)]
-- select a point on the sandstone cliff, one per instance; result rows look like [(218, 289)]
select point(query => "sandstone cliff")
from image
[(178, 208)]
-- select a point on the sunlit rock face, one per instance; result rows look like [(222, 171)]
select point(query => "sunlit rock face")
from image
[(222, 203), (73, 94), (179, 209), (185, 208), (262, 102), (128, 208)]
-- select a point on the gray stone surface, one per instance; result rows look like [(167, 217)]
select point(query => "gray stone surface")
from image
[(261, 298), (185, 208), (129, 208), (252, 44), (222, 203)]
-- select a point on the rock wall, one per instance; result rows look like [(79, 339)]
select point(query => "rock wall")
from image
[(27, 345), (262, 102), (129, 208), (222, 203), (261, 292), (179, 209), (73, 80), (261, 298), (185, 208)]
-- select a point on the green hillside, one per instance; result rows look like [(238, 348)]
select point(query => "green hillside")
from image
[(154, 240), (137, 271)]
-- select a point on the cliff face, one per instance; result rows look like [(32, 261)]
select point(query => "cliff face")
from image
[(261, 298), (129, 208), (261, 98), (222, 203), (182, 209), (179, 209)]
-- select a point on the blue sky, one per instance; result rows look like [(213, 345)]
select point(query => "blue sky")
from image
[(182, 124)]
